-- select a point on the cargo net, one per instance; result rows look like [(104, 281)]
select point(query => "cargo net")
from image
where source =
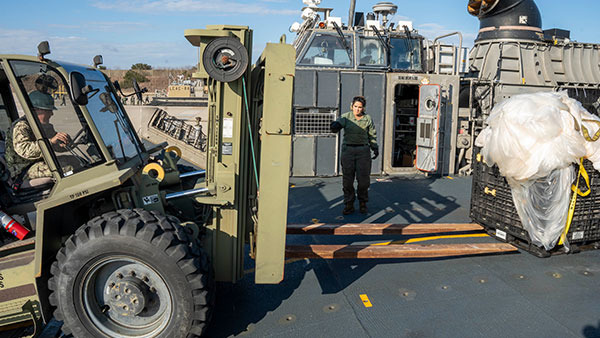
[(313, 123), (179, 129)]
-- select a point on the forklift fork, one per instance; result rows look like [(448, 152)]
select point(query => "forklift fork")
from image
[(391, 250)]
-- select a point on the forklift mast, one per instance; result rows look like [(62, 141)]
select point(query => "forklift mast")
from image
[(248, 150)]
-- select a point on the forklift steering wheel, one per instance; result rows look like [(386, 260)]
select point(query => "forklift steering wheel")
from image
[(78, 137)]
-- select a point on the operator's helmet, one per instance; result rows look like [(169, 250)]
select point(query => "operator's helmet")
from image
[(41, 100)]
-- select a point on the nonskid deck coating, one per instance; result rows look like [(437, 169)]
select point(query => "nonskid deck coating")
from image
[(514, 295)]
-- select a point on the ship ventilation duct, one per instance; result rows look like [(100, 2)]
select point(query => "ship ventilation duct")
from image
[(507, 19)]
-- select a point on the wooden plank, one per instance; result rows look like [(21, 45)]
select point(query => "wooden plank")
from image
[(379, 228), (395, 251)]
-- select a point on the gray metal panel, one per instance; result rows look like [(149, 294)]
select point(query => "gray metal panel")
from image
[(325, 154), (305, 86), (350, 86), (303, 156), (374, 92), (328, 85)]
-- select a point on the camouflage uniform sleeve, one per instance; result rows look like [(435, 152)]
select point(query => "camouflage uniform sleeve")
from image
[(24, 142), (372, 134), (49, 132)]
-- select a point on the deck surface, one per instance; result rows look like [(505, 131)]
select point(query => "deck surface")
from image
[(510, 295), (503, 295)]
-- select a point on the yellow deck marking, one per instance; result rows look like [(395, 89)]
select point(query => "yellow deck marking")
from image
[(365, 300), (431, 238), (450, 177)]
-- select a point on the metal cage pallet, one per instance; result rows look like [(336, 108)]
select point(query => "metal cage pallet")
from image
[(492, 206)]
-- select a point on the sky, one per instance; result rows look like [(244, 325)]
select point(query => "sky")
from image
[(126, 32)]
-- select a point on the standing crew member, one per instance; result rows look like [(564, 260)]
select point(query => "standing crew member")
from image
[(360, 137)]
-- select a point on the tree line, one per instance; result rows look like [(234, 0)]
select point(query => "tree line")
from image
[(136, 72)]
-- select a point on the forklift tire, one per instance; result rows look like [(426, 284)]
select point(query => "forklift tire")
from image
[(132, 273)]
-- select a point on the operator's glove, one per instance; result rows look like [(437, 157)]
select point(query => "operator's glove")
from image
[(375, 153), (335, 126)]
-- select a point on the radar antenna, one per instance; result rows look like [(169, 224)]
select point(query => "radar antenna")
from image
[(384, 9)]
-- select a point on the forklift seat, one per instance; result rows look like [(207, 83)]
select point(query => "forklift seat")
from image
[(36, 183)]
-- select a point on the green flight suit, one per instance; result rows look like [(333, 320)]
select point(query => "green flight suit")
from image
[(360, 136)]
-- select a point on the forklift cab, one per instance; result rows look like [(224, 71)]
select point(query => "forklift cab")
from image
[(36, 81)]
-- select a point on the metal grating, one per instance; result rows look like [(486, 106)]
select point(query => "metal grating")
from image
[(306, 123), (179, 129)]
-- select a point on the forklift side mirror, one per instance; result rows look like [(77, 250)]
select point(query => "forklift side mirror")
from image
[(78, 93)]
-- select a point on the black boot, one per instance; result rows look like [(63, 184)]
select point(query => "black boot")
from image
[(348, 209), (363, 207)]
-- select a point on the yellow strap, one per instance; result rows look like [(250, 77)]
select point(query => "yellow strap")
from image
[(489, 191), (586, 133), (577, 191), (583, 173)]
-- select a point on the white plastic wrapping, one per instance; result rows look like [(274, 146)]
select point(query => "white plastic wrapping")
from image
[(534, 139), (543, 206), (530, 135)]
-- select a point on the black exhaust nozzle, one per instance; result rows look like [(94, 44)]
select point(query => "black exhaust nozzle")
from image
[(507, 19)]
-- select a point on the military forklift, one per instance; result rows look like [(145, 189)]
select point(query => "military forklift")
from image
[(123, 241)]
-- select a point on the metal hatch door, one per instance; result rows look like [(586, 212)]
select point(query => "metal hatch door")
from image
[(428, 128)]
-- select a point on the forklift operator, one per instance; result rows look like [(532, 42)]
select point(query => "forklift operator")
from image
[(360, 137), (23, 154)]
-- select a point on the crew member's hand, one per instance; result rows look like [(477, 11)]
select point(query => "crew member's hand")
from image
[(375, 153), (61, 140), (335, 126)]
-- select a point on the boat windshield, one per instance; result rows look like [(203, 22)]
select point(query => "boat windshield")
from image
[(326, 49), (406, 54), (372, 52)]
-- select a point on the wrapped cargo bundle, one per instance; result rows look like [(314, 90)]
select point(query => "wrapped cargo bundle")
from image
[(534, 139)]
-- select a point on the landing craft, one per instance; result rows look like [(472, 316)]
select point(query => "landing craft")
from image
[(411, 86), (427, 99)]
